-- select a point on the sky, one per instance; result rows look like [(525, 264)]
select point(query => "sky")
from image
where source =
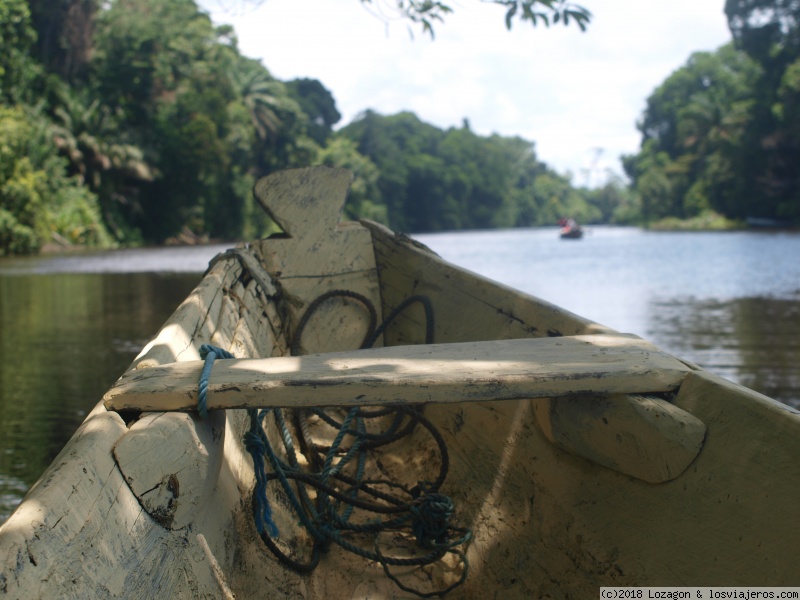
[(576, 95)]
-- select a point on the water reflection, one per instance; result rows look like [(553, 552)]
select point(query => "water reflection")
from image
[(65, 339), (176, 259), (753, 341), (728, 301)]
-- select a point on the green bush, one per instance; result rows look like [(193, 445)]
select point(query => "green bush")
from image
[(37, 199), (15, 238)]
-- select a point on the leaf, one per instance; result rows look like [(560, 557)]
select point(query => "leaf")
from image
[(510, 15)]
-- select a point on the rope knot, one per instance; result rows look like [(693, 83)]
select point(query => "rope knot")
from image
[(253, 443), (262, 511), (206, 349), (209, 354), (430, 519)]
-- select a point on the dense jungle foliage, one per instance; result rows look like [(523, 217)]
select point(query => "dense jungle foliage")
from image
[(722, 133), (135, 121), (138, 121)]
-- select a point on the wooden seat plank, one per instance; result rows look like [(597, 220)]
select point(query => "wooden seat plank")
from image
[(435, 373)]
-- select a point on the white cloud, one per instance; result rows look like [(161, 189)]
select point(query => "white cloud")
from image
[(570, 92)]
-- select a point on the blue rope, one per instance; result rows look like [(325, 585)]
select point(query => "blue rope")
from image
[(430, 520), (254, 441), (209, 354), (424, 510), (262, 511)]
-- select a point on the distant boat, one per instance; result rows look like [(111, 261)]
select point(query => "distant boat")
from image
[(570, 230)]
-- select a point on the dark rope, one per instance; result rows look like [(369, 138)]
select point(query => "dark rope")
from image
[(262, 512), (312, 308), (429, 324), (423, 509), (337, 477)]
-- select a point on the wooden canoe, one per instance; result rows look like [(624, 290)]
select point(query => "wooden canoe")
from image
[(578, 457)]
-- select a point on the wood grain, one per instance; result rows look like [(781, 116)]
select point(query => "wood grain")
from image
[(437, 373)]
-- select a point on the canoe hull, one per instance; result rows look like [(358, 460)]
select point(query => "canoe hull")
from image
[(563, 495)]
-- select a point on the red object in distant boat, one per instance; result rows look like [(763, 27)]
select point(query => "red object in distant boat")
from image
[(570, 230)]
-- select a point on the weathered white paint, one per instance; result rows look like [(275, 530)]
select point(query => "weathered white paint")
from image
[(172, 463), (459, 372), (317, 255), (647, 438)]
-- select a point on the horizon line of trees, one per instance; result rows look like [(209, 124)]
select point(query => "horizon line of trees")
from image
[(131, 121), (722, 133)]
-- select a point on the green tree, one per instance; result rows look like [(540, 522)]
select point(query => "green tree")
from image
[(769, 32), (64, 40), (194, 190), (432, 180), (38, 201), (364, 198), (145, 49), (614, 200), (144, 112), (90, 135), (262, 94), (17, 36), (477, 180), (387, 141), (318, 104), (426, 13), (281, 126), (693, 155), (209, 120)]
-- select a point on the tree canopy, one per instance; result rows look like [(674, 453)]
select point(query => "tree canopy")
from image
[(722, 133), (425, 13), (432, 180), (692, 132), (133, 121)]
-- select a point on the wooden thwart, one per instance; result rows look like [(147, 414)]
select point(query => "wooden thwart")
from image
[(436, 373)]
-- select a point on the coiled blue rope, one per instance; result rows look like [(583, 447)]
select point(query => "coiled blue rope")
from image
[(423, 509)]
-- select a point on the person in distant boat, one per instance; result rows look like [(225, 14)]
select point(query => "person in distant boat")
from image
[(570, 228), (568, 223)]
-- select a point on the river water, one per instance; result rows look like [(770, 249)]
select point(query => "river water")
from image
[(71, 324)]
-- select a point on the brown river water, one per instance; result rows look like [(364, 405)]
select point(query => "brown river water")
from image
[(71, 324)]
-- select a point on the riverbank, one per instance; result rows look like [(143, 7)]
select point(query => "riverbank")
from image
[(706, 221), (711, 221)]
